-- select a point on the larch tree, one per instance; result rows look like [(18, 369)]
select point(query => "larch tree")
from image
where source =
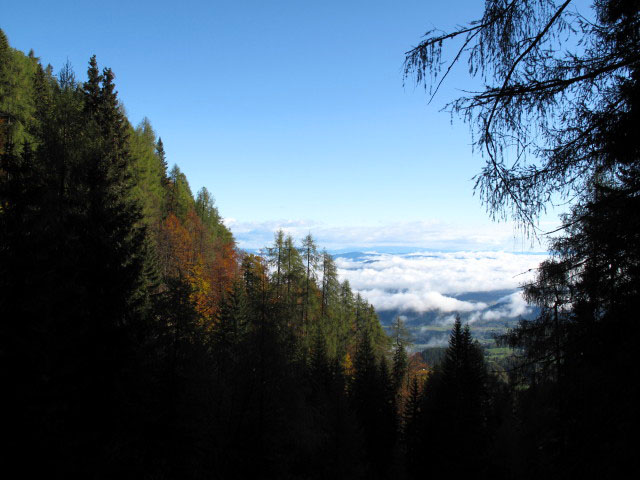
[(309, 253), (276, 255), (556, 79), (330, 283), (557, 122)]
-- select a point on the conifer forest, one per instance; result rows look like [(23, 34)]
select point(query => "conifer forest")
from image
[(137, 340)]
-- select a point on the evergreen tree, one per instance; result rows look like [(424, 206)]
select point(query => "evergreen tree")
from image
[(78, 215), (562, 98), (210, 217), (293, 274), (276, 255), (231, 326), (309, 253), (412, 430), (133, 344), (330, 283), (387, 424), (148, 175), (320, 367), (400, 337), (162, 157), (91, 88), (180, 199), (17, 105), (456, 396)]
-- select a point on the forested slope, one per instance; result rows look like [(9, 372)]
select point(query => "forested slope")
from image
[(136, 339)]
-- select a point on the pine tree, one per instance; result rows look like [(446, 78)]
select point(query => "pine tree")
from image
[(85, 311), (412, 429), (330, 283), (180, 199), (276, 256), (4, 41), (558, 118), (210, 217), (5, 91), (388, 416), (293, 274), (17, 106), (455, 400), (320, 368), (366, 371), (162, 157), (231, 326), (309, 253), (91, 87), (400, 337)]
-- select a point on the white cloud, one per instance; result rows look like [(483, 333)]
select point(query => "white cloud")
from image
[(435, 341), (444, 272), (514, 306), (418, 301), (257, 235), (428, 281), (418, 234), (471, 258)]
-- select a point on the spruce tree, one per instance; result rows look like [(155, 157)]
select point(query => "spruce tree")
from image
[(91, 87), (413, 430), (85, 311), (162, 156), (400, 337), (454, 429)]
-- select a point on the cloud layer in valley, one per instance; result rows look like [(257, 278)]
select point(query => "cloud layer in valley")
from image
[(445, 263), (437, 281)]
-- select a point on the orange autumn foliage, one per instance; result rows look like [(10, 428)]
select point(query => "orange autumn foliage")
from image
[(417, 367), (209, 265)]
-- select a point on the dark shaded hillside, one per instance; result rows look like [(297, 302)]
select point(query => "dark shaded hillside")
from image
[(136, 340)]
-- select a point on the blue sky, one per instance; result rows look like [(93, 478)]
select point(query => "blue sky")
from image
[(290, 112)]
